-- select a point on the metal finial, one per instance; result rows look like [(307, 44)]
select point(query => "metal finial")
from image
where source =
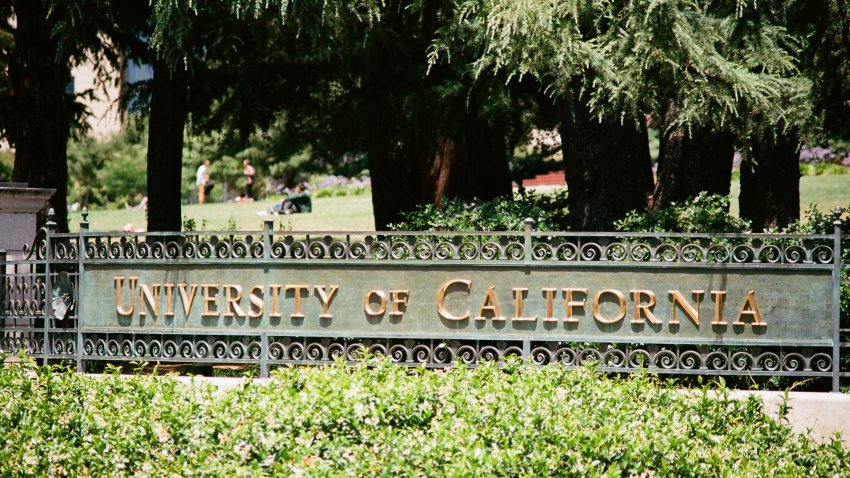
[(51, 214), (85, 214)]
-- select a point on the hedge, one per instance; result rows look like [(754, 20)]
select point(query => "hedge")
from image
[(379, 419)]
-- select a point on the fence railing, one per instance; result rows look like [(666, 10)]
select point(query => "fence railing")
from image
[(713, 304)]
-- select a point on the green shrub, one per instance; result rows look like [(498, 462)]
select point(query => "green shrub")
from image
[(7, 163), (549, 212), (377, 418), (108, 173), (822, 169), (704, 213)]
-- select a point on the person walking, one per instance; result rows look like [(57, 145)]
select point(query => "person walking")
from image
[(248, 172), (202, 179)]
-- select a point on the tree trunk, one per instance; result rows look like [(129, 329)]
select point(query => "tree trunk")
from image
[(473, 164), (770, 183), (488, 174), (394, 189), (421, 157), (607, 167), (41, 127), (692, 161), (165, 147)]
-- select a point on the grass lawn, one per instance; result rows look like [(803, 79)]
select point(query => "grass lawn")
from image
[(354, 213), (338, 213), (824, 191)]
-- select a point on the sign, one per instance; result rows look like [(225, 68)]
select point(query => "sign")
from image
[(629, 303)]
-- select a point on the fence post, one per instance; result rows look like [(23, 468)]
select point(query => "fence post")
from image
[(48, 284), (3, 287), (264, 358), (267, 238), (836, 300), (529, 226), (81, 272), (268, 224)]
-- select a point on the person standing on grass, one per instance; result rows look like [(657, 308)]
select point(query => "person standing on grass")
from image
[(249, 179), (202, 178)]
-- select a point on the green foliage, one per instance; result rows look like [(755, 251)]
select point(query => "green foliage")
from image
[(111, 172), (816, 221), (705, 213), (377, 418), (549, 212), (725, 64), (821, 169), (341, 191), (7, 162), (287, 169)]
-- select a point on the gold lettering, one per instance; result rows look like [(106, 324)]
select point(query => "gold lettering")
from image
[(642, 309), (490, 303), (210, 293), (620, 314), (382, 303), (297, 292), (275, 290), (678, 298), (719, 297), (169, 299), (518, 294), (441, 299), (398, 298), (255, 309), (188, 298), (232, 296), (549, 294), (325, 298), (151, 297), (569, 303), (119, 295), (750, 308)]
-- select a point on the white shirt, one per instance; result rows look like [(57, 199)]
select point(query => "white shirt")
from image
[(202, 176)]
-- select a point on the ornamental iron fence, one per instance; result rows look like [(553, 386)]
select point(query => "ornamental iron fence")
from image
[(712, 304)]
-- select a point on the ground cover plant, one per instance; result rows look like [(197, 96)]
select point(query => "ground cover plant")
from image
[(378, 419)]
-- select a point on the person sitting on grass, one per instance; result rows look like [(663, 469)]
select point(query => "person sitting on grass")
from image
[(298, 201)]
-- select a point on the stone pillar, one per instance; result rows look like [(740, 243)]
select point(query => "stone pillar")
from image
[(19, 206)]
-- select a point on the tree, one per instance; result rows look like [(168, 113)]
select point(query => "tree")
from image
[(426, 136), (38, 111), (770, 176), (39, 72), (672, 59), (431, 135), (606, 156)]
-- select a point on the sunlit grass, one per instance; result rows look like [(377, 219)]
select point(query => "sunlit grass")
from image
[(825, 192), (354, 213), (337, 213)]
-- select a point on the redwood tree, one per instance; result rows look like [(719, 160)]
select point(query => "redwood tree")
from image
[(607, 167), (39, 131), (770, 182), (692, 160), (631, 59)]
